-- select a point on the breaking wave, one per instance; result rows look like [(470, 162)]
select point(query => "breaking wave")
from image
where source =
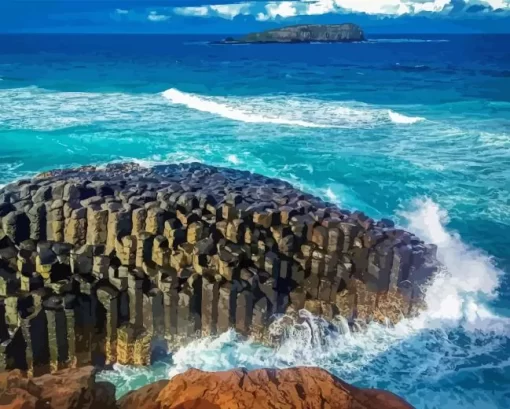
[(205, 104), (418, 358), (293, 111), (34, 108), (397, 118)]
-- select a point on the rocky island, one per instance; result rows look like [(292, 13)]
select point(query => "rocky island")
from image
[(305, 33)]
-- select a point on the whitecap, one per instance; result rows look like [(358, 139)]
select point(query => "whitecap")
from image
[(209, 105), (397, 118), (457, 294), (233, 159), (331, 195), (38, 109), (407, 40), (292, 110)]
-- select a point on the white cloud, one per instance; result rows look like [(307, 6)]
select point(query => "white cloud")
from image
[(226, 11), (321, 7), (292, 8), (154, 16), (431, 6), (499, 4), (282, 9), (121, 11), (202, 11), (229, 11)]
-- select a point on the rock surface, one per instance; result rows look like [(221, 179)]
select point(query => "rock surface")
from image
[(107, 265), (305, 33), (296, 388), (66, 389)]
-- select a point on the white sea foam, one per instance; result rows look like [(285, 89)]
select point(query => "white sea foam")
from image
[(397, 118), (38, 109), (33, 108), (299, 111), (233, 159), (331, 195), (209, 105), (407, 40), (455, 334), (458, 293)]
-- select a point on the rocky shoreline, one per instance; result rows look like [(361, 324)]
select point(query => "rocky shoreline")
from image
[(116, 264), (295, 388)]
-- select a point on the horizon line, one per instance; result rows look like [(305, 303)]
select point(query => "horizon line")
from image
[(226, 33)]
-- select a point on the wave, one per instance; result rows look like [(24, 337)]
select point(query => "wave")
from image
[(205, 104), (38, 109), (420, 359), (469, 276), (411, 68), (397, 118), (407, 40), (300, 111)]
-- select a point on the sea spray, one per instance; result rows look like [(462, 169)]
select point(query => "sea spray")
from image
[(411, 358), (468, 279)]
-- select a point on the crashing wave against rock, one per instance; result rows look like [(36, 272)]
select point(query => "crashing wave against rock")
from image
[(105, 265)]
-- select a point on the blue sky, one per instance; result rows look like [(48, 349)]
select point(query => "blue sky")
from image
[(223, 16)]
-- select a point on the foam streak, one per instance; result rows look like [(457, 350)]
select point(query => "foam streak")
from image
[(208, 105)]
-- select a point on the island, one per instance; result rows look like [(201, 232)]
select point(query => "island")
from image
[(303, 33)]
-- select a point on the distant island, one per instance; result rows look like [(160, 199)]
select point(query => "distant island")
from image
[(304, 33)]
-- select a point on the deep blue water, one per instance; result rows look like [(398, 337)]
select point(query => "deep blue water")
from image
[(412, 127)]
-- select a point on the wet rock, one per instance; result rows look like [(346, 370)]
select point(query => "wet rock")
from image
[(160, 256)]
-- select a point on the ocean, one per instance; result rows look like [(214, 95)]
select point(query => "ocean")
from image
[(415, 128)]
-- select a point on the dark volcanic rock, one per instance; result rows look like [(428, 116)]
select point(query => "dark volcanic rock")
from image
[(304, 33), (106, 265), (295, 388)]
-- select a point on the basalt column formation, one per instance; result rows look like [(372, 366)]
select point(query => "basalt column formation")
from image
[(105, 265)]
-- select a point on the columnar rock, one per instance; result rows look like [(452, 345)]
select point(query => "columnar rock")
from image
[(104, 265)]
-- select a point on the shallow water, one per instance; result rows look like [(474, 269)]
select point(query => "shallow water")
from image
[(416, 128)]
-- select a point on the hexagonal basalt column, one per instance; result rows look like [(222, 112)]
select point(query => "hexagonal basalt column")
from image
[(106, 265)]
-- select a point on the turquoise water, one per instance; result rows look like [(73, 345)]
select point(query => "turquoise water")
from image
[(414, 128)]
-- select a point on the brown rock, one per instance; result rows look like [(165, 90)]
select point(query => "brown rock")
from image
[(66, 389), (74, 389), (296, 388), (143, 398)]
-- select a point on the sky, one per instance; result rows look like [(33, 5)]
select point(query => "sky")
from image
[(231, 17)]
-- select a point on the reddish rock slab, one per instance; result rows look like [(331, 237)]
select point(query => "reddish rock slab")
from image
[(143, 398), (66, 389), (296, 388)]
